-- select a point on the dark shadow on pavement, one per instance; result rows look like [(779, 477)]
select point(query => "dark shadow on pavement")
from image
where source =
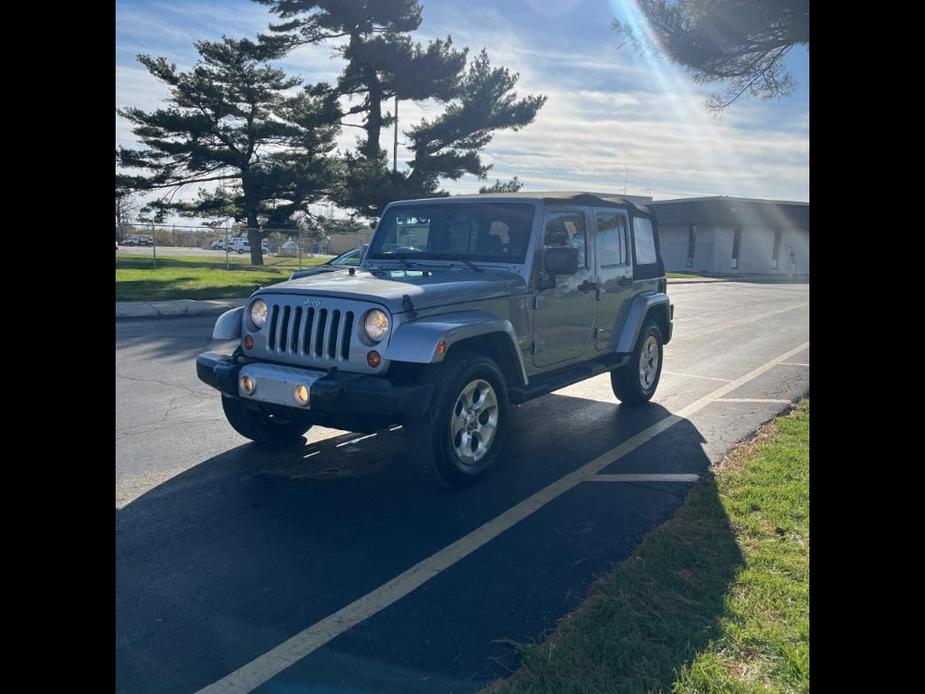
[(232, 557), (649, 618)]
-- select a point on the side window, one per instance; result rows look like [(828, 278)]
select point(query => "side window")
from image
[(611, 238), (567, 229), (644, 241)]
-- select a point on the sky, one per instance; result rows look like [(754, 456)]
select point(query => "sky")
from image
[(614, 120)]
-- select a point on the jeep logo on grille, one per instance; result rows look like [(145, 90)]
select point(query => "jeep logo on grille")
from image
[(314, 303)]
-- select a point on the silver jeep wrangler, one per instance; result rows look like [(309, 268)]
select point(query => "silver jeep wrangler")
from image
[(461, 307)]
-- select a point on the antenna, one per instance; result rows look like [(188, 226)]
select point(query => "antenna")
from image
[(625, 170)]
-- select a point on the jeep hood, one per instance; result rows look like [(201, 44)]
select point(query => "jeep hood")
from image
[(439, 288)]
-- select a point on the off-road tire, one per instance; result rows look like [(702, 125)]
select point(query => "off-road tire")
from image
[(628, 380), (264, 429), (431, 444)]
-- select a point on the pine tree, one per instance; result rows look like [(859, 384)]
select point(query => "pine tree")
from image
[(383, 63), (500, 186), (235, 120), (740, 44)]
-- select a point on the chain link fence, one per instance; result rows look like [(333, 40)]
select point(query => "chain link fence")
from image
[(289, 247)]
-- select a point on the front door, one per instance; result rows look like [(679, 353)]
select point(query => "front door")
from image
[(564, 305)]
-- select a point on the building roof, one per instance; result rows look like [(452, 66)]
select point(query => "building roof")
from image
[(729, 211)]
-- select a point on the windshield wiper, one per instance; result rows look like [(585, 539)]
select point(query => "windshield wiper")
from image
[(460, 259), (392, 255)]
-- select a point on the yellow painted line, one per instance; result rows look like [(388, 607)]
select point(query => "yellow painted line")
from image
[(251, 675)]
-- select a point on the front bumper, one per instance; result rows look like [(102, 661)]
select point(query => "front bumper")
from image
[(353, 401)]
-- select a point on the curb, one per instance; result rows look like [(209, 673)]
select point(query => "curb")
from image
[(703, 280), (761, 279), (173, 309), (214, 307)]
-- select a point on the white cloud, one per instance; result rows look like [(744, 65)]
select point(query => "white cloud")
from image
[(607, 108)]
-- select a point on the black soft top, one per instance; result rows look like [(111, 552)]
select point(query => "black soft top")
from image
[(560, 196)]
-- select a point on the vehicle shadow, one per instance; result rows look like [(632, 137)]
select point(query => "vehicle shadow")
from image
[(649, 615), (232, 557)]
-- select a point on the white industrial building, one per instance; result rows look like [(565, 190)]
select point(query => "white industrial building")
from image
[(727, 236)]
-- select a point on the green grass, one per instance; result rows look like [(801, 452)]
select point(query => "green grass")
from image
[(682, 275), (198, 277), (714, 600)]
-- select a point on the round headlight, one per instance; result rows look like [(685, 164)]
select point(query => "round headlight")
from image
[(376, 325), (258, 314)]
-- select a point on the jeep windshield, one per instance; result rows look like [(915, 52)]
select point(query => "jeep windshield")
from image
[(461, 232)]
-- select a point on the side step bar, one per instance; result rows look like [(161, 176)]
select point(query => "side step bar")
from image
[(547, 383)]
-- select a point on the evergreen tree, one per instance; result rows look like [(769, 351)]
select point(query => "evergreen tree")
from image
[(742, 44), (235, 120), (511, 186), (382, 63)]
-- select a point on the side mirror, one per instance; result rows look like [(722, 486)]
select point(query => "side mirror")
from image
[(561, 260)]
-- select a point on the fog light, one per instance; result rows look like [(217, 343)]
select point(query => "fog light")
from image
[(248, 384), (373, 358), (301, 394), (248, 342)]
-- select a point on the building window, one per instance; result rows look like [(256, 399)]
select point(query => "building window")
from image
[(691, 244), (775, 254), (611, 239), (736, 246)]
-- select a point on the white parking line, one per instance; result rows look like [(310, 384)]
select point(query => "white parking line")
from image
[(643, 478), (792, 363), (776, 402), (743, 321), (708, 378), (357, 440), (264, 667)]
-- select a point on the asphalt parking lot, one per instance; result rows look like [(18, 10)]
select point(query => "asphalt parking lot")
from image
[(331, 567)]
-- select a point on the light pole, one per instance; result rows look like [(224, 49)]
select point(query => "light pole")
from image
[(395, 142)]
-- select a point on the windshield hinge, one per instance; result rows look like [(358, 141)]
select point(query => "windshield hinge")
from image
[(408, 305)]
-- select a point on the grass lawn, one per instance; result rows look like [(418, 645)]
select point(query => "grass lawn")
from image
[(681, 275), (197, 277), (714, 600)]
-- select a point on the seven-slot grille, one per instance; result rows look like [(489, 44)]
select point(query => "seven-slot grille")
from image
[(309, 332)]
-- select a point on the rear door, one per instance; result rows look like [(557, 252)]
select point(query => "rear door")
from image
[(614, 273), (564, 313)]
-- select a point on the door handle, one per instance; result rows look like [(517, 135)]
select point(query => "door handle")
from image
[(587, 286), (625, 281)]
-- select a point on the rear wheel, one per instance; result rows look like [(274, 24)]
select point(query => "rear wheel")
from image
[(635, 382), (264, 428), (461, 437)]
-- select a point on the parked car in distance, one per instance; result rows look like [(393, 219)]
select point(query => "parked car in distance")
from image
[(351, 258), (461, 307), (138, 240), (242, 246)]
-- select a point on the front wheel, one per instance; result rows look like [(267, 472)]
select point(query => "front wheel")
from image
[(635, 382), (461, 437), (266, 429)]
